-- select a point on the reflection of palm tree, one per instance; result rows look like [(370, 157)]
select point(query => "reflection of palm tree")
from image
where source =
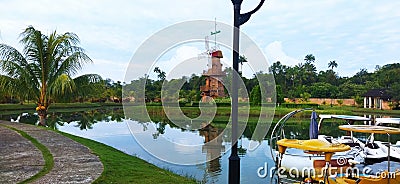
[(117, 115), (53, 120), (86, 121), (160, 129), (43, 71)]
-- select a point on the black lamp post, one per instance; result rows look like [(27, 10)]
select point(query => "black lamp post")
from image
[(239, 19)]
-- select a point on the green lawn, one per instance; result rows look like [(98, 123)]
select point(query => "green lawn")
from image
[(120, 167)]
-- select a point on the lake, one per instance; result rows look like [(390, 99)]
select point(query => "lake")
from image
[(111, 127)]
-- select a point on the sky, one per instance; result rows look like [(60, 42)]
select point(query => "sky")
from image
[(355, 33)]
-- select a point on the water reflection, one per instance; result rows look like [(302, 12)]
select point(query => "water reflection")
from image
[(84, 119), (103, 125), (213, 148)]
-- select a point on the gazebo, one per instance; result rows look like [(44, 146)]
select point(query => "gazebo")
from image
[(377, 99)]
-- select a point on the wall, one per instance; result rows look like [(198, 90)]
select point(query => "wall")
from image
[(320, 101)]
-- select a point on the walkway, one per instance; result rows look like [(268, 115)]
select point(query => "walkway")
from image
[(19, 159)]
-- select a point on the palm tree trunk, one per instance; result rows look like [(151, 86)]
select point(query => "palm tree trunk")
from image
[(42, 119), (43, 103)]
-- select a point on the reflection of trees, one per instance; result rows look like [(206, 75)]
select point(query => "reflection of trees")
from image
[(84, 119), (241, 151), (53, 120), (160, 127)]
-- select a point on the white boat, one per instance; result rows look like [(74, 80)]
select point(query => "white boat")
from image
[(299, 160), (368, 152), (383, 146), (325, 148)]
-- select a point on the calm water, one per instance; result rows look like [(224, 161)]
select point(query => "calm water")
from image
[(110, 127)]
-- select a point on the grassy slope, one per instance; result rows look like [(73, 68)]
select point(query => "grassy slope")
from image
[(123, 168)]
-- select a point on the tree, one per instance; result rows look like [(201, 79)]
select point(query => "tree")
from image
[(161, 74), (279, 96), (361, 77), (255, 96), (332, 64), (305, 96), (340, 102), (242, 59), (43, 70), (309, 58)]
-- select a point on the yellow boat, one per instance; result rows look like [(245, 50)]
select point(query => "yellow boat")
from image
[(315, 146)]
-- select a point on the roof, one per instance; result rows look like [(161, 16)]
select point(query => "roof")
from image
[(382, 93)]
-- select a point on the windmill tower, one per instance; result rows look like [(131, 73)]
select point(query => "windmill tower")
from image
[(214, 74)]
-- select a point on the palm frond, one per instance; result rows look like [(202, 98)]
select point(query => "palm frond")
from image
[(88, 83), (63, 85), (44, 68)]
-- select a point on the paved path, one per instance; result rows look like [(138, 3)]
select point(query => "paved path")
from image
[(73, 162), (19, 158)]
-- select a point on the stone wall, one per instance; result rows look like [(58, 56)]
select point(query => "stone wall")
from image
[(320, 101)]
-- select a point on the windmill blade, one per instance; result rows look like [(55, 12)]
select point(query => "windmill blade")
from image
[(203, 55), (207, 44)]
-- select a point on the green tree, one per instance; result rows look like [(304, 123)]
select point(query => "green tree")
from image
[(242, 59), (43, 70), (309, 58), (322, 90), (305, 96), (340, 102), (279, 95), (161, 74), (255, 96), (332, 64)]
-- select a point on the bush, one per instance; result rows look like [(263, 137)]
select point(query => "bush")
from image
[(153, 104), (223, 104), (340, 102)]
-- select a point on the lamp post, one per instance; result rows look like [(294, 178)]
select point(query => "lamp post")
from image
[(239, 19)]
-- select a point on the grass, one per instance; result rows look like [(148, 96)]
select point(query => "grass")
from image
[(120, 167), (32, 106), (192, 111), (47, 156)]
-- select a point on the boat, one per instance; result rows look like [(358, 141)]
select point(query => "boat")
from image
[(365, 152), (328, 151), (299, 160), (381, 145), (296, 158)]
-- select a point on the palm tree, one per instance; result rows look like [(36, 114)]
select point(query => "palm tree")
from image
[(242, 59), (161, 74), (332, 64), (44, 68), (309, 58)]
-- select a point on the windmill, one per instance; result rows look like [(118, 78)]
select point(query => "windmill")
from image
[(213, 75)]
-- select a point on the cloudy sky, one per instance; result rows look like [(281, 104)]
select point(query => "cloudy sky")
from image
[(356, 33)]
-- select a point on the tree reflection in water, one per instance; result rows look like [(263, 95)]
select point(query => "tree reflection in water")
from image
[(84, 119)]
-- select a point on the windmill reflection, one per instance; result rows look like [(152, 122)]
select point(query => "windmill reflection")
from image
[(212, 147)]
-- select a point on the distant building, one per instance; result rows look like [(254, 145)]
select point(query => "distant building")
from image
[(214, 87), (377, 99)]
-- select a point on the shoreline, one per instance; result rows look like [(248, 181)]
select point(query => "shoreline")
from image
[(117, 166)]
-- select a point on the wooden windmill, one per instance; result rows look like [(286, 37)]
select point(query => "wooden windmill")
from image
[(214, 74)]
